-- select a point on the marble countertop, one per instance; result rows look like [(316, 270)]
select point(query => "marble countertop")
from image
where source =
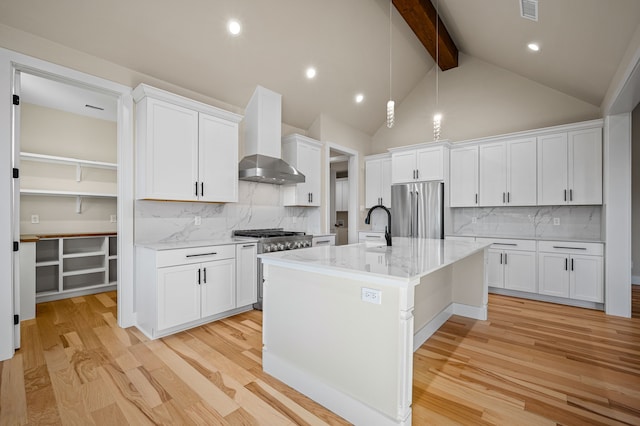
[(520, 237), (190, 244), (408, 259)]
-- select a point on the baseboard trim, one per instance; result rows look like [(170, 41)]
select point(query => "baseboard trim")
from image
[(340, 403), (422, 335)]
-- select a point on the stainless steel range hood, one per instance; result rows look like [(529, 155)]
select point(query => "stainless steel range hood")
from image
[(262, 142), (261, 168)]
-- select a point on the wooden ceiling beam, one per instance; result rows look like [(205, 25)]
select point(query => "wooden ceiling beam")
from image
[(421, 17)]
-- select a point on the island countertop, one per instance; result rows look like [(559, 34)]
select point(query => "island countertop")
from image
[(407, 260)]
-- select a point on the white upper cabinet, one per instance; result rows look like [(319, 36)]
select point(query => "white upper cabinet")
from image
[(463, 181), (186, 151), (304, 154), (507, 173), (418, 164), (377, 181), (570, 168)]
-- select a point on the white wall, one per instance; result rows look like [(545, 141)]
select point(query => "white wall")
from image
[(635, 194), (478, 99), (329, 129)]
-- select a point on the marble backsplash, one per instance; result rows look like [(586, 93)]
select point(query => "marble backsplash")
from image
[(575, 222), (259, 206)]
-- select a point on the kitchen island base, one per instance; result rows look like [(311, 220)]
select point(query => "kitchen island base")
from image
[(346, 339)]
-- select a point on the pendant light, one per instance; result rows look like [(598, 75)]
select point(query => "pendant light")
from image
[(390, 103), (437, 117)]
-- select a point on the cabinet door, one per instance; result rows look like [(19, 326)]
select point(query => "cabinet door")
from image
[(520, 271), (522, 179), (552, 169), (178, 295), (553, 274), (308, 162), (495, 269), (463, 184), (218, 286), (492, 170), (246, 274), (170, 152), (585, 166), (373, 182), (429, 163), (218, 159), (385, 185), (586, 280), (403, 167)]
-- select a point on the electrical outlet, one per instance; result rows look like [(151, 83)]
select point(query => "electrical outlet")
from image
[(113, 218), (35, 218), (556, 221), (372, 296), (198, 221), (474, 219)]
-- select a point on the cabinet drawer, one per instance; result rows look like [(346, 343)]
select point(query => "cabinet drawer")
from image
[(509, 244), (594, 249), (194, 255), (370, 236)]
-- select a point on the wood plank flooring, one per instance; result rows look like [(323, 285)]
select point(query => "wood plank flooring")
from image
[(530, 363)]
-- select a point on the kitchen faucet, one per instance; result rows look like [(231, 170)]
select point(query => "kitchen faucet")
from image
[(387, 229)]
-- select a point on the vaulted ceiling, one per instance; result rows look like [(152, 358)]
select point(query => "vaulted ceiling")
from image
[(186, 43)]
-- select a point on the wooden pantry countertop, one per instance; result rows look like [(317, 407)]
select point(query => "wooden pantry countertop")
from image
[(33, 238)]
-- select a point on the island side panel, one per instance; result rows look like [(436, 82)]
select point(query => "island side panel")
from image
[(432, 298), (317, 326), (470, 289)]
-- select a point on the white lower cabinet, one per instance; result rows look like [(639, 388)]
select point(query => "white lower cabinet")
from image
[(181, 288), (511, 264), (323, 240), (371, 236), (571, 270)]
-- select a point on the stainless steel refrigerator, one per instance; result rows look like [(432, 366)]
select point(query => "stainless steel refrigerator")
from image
[(417, 210)]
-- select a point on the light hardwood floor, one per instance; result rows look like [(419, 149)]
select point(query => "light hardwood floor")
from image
[(530, 363)]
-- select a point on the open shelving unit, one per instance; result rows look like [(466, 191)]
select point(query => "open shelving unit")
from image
[(75, 266), (79, 163)]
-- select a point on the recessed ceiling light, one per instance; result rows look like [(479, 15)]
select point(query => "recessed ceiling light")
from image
[(311, 72), (359, 98), (533, 46), (234, 27)]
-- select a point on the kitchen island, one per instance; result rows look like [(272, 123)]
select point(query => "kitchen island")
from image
[(339, 321)]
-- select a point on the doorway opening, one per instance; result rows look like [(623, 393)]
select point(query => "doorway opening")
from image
[(341, 184)]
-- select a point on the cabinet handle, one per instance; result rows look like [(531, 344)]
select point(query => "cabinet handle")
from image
[(508, 197), (377, 237), (322, 242), (205, 275), (569, 248), (202, 189), (504, 197), (505, 244), (565, 195), (248, 245), (198, 275), (501, 258), (312, 197), (505, 258), (196, 189), (417, 174), (213, 253), (566, 264), (572, 264), (571, 195)]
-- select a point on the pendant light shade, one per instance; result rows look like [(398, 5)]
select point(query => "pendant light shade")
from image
[(390, 113)]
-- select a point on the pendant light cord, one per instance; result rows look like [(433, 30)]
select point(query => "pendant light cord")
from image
[(390, 45), (437, 49)]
